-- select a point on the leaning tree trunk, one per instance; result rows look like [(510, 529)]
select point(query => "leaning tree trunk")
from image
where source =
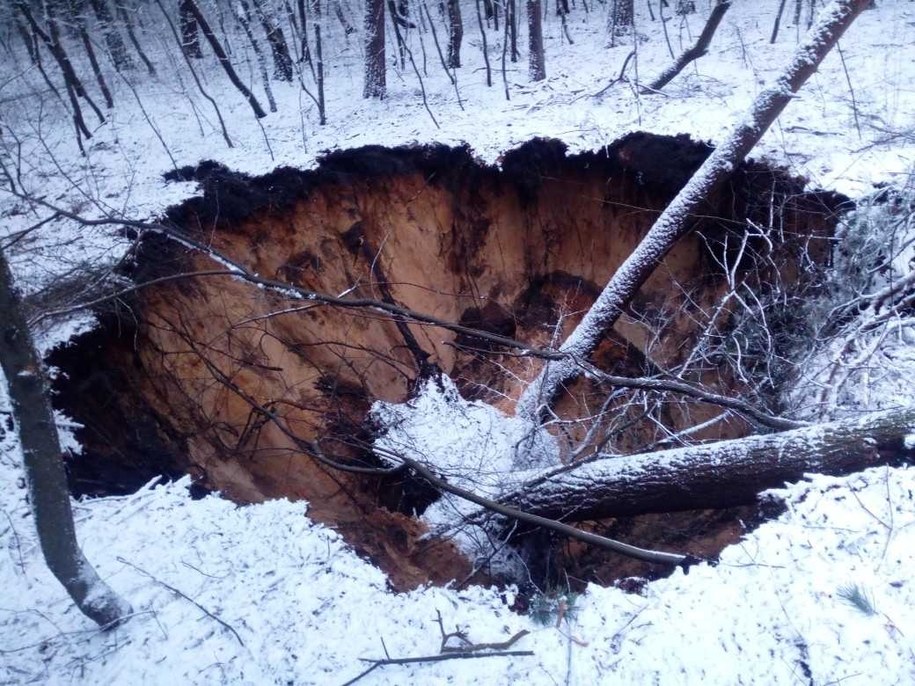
[(44, 469), (375, 86), (223, 58), (715, 475), (676, 220), (536, 56)]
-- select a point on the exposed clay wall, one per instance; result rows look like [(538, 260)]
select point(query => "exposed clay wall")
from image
[(522, 252)]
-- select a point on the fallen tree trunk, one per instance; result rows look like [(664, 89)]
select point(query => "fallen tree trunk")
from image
[(676, 220), (716, 475)]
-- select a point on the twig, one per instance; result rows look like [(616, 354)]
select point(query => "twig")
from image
[(183, 595), (469, 647), (16, 539), (851, 90), (436, 658)]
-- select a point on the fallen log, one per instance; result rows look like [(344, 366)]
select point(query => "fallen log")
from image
[(714, 475)]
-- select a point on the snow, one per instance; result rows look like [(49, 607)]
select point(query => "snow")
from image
[(472, 445), (262, 595), (307, 610)]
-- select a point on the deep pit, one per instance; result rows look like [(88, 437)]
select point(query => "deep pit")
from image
[(182, 378)]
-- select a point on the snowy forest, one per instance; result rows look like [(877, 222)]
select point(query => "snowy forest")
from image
[(457, 341)]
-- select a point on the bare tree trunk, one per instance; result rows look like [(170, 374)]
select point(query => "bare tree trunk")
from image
[(75, 87), (511, 16), (676, 220), (31, 42), (223, 58), (484, 44), (341, 17), (128, 26), (282, 62), (778, 20), (621, 20), (44, 469), (113, 40), (455, 33), (536, 57), (190, 66), (190, 36), (398, 38), (306, 52), (93, 61), (375, 86), (243, 14), (715, 475), (319, 54)]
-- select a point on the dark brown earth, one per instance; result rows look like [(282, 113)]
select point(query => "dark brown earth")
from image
[(180, 378)]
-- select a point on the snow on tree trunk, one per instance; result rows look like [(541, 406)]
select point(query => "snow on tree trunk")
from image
[(282, 61), (536, 57), (716, 475), (621, 19), (455, 33), (190, 38), (375, 86), (675, 221), (48, 493)]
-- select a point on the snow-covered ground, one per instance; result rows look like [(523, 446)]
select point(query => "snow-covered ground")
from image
[(262, 595)]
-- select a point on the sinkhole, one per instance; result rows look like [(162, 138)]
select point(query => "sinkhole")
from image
[(238, 384)]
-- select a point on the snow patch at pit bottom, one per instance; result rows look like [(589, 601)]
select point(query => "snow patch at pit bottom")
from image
[(469, 444)]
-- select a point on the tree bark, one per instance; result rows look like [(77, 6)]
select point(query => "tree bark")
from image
[(47, 481), (375, 86), (282, 62), (716, 475), (455, 33), (621, 19), (676, 220), (536, 56), (511, 16), (319, 54), (190, 37)]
